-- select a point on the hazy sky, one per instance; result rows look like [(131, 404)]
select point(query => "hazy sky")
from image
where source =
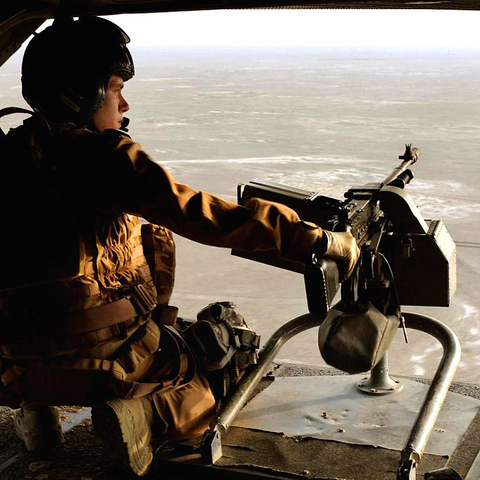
[(418, 28)]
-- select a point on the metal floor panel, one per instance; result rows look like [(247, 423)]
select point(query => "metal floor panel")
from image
[(248, 453), (331, 408), (255, 454)]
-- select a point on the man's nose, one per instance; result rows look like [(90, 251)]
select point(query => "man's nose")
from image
[(124, 106)]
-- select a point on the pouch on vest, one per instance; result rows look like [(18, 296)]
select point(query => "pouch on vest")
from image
[(223, 344), (356, 338), (159, 250)]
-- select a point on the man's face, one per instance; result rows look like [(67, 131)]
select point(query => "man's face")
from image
[(110, 114)]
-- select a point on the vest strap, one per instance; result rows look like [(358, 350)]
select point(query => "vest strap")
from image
[(80, 329), (84, 321)]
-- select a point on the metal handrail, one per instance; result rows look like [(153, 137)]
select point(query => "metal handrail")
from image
[(427, 416), (423, 425), (212, 440)]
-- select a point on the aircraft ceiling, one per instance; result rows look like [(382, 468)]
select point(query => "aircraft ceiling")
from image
[(20, 18)]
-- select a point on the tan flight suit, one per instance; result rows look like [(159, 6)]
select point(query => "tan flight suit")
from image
[(86, 329)]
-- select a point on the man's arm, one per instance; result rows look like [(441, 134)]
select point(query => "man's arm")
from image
[(138, 185)]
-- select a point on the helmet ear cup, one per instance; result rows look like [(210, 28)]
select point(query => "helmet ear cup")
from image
[(83, 97)]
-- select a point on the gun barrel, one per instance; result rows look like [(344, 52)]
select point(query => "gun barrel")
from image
[(409, 158)]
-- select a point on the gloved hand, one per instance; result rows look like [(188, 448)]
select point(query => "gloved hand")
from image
[(340, 246)]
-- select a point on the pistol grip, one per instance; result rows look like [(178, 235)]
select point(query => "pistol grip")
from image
[(322, 280)]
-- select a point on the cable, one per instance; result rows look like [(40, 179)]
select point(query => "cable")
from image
[(394, 286)]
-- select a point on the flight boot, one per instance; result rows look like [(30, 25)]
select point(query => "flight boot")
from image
[(38, 426), (124, 427)]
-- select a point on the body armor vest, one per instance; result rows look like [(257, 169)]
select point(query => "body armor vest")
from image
[(71, 277)]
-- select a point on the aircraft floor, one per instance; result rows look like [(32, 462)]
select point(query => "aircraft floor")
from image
[(248, 453)]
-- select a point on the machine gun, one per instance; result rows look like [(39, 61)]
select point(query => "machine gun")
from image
[(387, 226)]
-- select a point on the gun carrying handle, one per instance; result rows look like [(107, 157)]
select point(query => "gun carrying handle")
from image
[(322, 280)]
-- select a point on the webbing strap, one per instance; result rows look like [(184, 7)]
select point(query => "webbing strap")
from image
[(84, 321), (78, 329), (61, 345)]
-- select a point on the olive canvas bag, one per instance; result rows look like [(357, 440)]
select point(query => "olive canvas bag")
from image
[(355, 338)]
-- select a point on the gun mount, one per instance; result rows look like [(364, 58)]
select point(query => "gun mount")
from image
[(398, 247), (389, 229)]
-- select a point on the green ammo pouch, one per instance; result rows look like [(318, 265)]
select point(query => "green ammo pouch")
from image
[(223, 344), (220, 333), (356, 338)]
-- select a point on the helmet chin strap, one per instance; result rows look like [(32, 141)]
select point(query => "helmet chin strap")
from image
[(125, 122)]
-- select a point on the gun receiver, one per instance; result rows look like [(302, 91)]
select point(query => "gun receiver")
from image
[(384, 220)]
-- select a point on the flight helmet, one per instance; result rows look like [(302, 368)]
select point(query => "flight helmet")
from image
[(66, 67)]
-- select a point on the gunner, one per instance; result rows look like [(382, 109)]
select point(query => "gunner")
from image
[(88, 256)]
